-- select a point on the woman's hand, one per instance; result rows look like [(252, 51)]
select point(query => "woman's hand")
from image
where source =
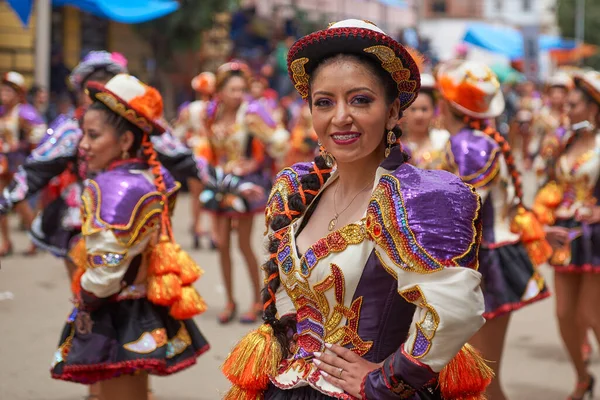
[(588, 215), (344, 368), (557, 236)]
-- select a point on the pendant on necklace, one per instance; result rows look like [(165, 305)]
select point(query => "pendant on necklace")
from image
[(332, 223)]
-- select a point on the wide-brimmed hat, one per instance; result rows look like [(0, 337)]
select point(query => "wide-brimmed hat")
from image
[(471, 87), (427, 82), (363, 38), (204, 83), (133, 100), (589, 82), (115, 63), (560, 79), (15, 80)]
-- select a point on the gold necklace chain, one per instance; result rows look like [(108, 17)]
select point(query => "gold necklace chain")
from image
[(334, 220)]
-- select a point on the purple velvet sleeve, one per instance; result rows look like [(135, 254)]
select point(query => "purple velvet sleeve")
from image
[(400, 377), (476, 157), (29, 114)]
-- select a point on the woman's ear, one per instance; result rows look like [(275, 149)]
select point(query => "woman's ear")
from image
[(127, 140), (394, 115)]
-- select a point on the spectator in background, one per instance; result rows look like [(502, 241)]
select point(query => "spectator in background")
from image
[(281, 82), (59, 73), (38, 98)]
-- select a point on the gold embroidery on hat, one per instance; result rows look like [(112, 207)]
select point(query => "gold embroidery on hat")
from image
[(300, 76), (394, 66), (489, 77), (129, 114)]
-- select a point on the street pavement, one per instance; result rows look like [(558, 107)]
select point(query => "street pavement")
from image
[(34, 303)]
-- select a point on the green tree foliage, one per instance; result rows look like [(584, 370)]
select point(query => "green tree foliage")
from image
[(566, 10), (181, 31)]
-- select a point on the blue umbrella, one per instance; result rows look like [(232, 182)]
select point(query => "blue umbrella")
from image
[(22, 8), (509, 41), (128, 12)]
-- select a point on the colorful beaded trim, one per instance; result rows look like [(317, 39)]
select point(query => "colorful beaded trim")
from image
[(395, 59), (144, 218), (428, 325), (120, 107)]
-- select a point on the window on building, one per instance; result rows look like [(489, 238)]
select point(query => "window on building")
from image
[(526, 5), (438, 6)]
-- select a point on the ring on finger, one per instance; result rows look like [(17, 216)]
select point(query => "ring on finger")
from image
[(340, 373)]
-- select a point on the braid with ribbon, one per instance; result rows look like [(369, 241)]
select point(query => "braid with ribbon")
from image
[(525, 222), (171, 271), (258, 355)]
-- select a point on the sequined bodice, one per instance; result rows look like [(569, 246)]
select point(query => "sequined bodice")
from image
[(579, 180), (321, 283)]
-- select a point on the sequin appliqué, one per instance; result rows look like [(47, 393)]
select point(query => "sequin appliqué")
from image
[(148, 342), (428, 325)]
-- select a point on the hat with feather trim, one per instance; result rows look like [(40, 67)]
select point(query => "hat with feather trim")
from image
[(472, 88), (589, 82), (15, 80), (204, 83), (133, 100), (114, 63), (363, 38)]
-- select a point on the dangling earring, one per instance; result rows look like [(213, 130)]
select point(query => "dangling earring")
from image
[(391, 140), (329, 160), (124, 155)]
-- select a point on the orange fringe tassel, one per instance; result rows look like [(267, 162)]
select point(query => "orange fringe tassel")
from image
[(237, 393), (189, 305), (533, 236), (254, 359), (190, 271), (164, 290), (466, 376), (76, 281), (164, 258)]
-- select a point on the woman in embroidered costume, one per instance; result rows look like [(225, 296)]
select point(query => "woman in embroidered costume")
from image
[(21, 127), (371, 283), (513, 240), (189, 128), (242, 141), (549, 127), (424, 144), (134, 292), (569, 205), (57, 228)]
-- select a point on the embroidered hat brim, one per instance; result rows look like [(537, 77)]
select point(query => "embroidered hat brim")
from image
[(125, 109), (357, 37), (582, 82), (496, 104)]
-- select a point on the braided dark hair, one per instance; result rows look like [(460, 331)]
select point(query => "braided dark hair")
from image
[(310, 185)]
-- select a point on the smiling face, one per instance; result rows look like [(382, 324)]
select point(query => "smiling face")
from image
[(101, 144), (420, 113), (350, 112)]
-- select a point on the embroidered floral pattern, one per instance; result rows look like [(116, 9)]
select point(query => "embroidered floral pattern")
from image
[(406, 87), (428, 325)]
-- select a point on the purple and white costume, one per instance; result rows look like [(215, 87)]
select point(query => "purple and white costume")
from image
[(510, 280), (399, 286)]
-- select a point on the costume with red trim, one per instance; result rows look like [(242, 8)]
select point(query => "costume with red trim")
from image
[(399, 286), (243, 154), (510, 280), (575, 189)]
